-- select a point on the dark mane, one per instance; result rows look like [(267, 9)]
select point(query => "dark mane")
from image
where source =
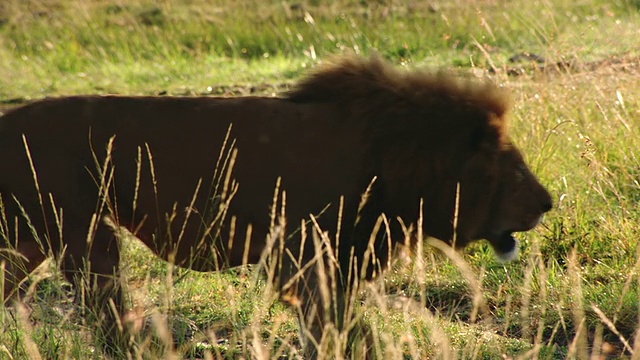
[(374, 82)]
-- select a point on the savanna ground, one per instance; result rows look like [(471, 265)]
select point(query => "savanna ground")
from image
[(573, 71)]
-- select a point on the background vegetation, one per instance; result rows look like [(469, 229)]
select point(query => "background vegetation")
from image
[(572, 68)]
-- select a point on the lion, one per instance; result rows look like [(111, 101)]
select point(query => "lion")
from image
[(358, 157)]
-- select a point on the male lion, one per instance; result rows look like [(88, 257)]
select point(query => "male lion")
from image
[(356, 127)]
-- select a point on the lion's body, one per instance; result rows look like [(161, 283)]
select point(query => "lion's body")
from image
[(419, 135), (317, 161)]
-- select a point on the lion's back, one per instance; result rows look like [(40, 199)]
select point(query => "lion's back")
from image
[(164, 147)]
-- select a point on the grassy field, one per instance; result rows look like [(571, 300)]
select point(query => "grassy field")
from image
[(573, 71)]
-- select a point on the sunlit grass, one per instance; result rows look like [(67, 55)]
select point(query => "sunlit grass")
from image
[(63, 47)]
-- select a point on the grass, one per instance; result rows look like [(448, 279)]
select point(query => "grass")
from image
[(63, 47), (572, 293)]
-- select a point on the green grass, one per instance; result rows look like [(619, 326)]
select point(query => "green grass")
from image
[(63, 47), (575, 285)]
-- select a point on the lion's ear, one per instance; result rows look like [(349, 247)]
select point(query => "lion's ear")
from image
[(491, 134)]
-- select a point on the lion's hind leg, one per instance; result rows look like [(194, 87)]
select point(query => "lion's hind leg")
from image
[(17, 263), (21, 251)]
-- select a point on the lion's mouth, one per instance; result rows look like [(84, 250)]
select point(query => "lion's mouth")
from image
[(505, 246)]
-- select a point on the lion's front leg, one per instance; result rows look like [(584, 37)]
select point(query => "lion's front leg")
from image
[(94, 271), (321, 316), (316, 290)]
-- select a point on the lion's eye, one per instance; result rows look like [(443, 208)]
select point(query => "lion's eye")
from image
[(521, 173)]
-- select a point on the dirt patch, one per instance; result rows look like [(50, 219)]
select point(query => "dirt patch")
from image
[(532, 64)]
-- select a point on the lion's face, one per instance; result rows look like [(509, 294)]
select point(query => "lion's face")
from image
[(474, 184), (518, 204)]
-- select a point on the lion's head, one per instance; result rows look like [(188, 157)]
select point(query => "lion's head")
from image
[(518, 204), (440, 139), (498, 196)]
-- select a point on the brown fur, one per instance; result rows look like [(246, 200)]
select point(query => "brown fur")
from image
[(419, 135)]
